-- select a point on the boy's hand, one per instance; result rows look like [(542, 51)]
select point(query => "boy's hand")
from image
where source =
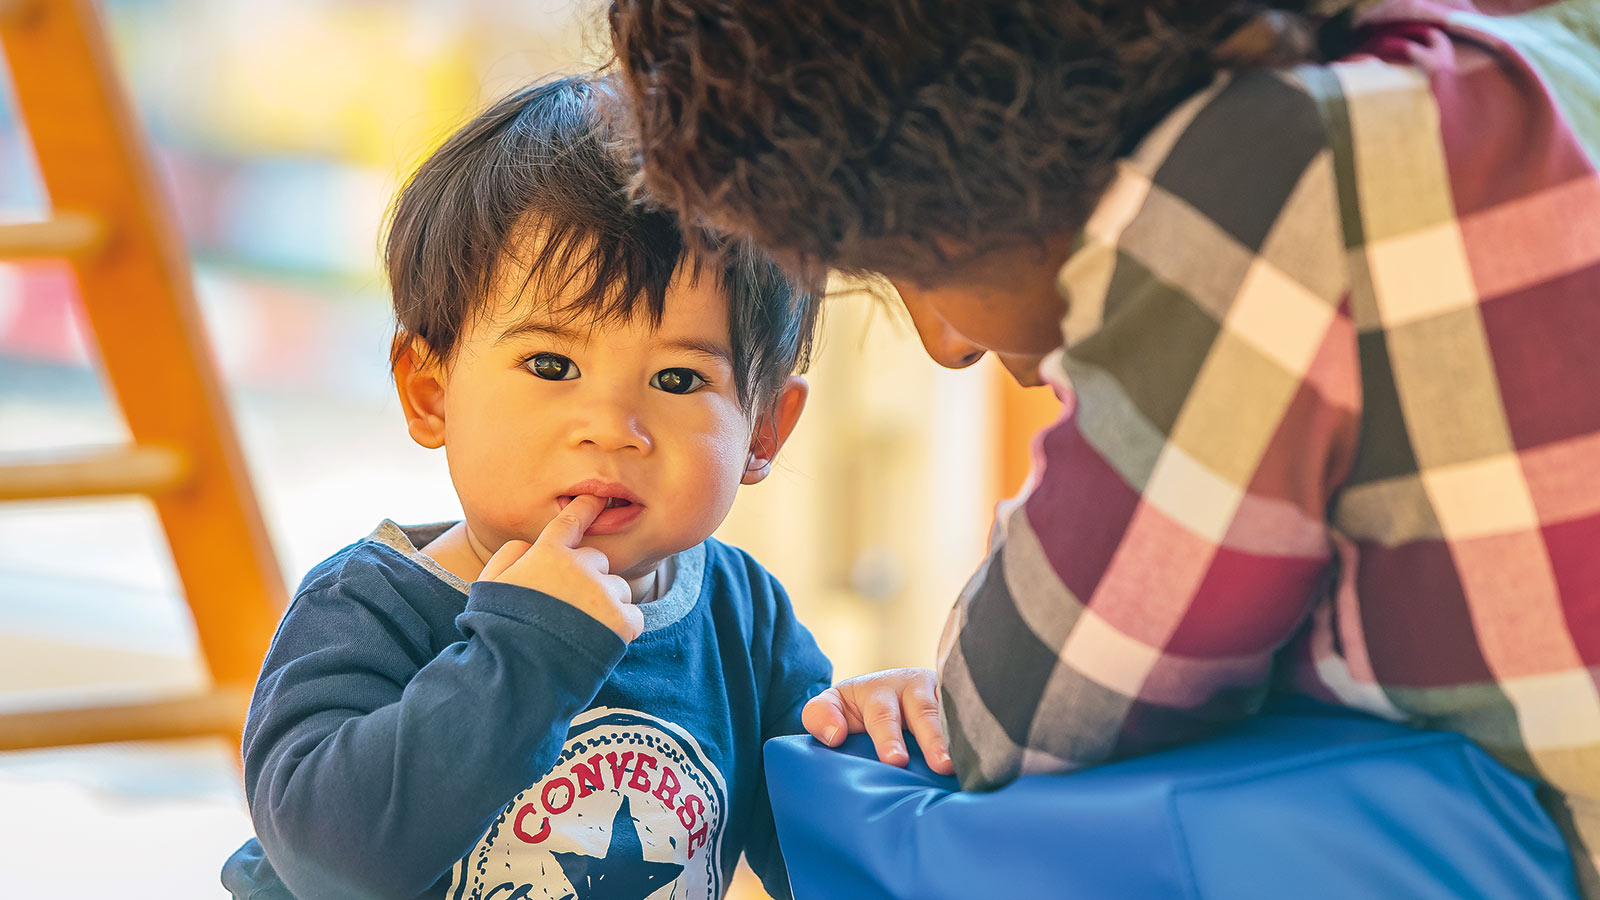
[(578, 576), (878, 704)]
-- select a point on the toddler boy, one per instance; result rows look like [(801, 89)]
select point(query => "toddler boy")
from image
[(565, 694)]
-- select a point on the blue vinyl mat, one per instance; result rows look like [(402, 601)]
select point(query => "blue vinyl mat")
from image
[(1306, 806)]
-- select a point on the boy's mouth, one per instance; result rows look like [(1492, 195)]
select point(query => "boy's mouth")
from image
[(611, 502), (622, 505)]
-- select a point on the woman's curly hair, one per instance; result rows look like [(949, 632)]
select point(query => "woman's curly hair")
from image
[(892, 136)]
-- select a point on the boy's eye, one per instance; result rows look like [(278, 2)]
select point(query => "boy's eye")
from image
[(552, 367), (677, 381)]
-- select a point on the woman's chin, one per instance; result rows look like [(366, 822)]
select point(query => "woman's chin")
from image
[(1024, 367)]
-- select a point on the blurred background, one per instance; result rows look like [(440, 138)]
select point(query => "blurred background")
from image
[(280, 131)]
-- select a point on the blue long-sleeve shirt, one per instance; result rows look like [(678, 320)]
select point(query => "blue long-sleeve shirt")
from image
[(411, 736)]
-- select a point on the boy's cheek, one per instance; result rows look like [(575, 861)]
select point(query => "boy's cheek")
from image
[(498, 511)]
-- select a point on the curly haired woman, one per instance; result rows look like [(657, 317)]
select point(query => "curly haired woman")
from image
[(1320, 283)]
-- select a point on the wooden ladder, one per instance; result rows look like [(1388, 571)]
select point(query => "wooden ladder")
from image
[(109, 221)]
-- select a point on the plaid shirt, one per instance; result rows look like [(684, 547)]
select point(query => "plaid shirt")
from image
[(1332, 420)]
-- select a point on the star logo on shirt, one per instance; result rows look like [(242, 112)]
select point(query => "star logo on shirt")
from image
[(623, 873), (661, 794)]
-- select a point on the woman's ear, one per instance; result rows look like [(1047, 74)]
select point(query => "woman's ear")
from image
[(773, 429), (419, 377)]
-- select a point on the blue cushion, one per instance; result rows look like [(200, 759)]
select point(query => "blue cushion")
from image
[(1306, 805)]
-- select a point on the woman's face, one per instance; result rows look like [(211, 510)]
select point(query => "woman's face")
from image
[(1004, 301)]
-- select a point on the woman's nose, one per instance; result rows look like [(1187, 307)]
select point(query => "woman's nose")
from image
[(951, 350), (945, 345)]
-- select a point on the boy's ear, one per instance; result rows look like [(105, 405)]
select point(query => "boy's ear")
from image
[(774, 428), (420, 380)]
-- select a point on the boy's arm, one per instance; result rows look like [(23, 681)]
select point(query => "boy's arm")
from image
[(1173, 535), (798, 671), (372, 768)]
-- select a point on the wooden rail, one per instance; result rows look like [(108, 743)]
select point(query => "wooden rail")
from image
[(107, 473), (217, 712), (69, 236), (114, 227)]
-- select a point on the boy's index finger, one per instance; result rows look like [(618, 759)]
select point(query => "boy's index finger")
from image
[(569, 527)]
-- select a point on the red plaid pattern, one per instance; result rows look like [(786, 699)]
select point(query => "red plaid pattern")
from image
[(1332, 420)]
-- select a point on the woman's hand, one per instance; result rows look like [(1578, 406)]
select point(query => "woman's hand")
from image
[(882, 704)]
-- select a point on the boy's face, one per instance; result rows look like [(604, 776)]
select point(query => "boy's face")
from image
[(534, 410)]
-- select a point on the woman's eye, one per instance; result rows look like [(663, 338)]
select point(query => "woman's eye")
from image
[(552, 367), (677, 381)]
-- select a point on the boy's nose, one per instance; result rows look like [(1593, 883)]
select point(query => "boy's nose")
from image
[(611, 426)]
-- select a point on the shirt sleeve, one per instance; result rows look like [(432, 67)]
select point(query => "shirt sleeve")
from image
[(799, 671), (1173, 535), (372, 765)]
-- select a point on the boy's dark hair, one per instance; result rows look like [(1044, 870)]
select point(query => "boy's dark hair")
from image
[(887, 135), (536, 179)]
